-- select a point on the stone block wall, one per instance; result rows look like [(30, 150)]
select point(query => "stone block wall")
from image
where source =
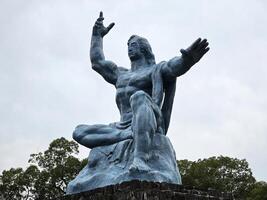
[(143, 190)]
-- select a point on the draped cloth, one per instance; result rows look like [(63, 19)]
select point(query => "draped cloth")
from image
[(108, 165), (163, 90)]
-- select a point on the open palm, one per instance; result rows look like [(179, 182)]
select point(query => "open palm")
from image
[(196, 51)]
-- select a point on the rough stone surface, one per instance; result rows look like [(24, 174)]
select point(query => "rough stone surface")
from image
[(109, 165), (142, 190)]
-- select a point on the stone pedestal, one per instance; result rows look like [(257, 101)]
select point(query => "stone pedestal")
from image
[(143, 190)]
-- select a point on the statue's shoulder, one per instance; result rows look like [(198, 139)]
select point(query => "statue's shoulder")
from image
[(160, 65)]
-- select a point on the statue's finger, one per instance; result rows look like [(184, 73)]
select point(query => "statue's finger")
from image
[(100, 19), (195, 43), (202, 42), (184, 52), (206, 50), (202, 45), (101, 14), (110, 26), (203, 51)]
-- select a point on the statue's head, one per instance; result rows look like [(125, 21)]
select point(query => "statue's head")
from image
[(139, 46)]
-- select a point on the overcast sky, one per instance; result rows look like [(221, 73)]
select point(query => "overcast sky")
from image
[(48, 87)]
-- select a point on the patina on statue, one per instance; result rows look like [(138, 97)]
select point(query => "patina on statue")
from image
[(136, 147)]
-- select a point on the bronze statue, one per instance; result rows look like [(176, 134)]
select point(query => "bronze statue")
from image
[(136, 147)]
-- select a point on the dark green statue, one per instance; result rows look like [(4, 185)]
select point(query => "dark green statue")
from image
[(136, 147)]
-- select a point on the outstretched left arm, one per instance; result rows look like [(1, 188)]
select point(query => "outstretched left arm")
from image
[(178, 66)]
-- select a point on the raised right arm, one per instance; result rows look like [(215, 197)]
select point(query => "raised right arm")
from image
[(107, 69)]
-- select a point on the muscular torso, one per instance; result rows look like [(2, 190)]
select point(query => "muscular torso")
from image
[(127, 84)]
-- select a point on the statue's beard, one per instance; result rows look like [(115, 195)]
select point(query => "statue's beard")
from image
[(134, 57)]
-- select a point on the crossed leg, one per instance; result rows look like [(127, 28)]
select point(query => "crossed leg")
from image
[(144, 126), (98, 135)]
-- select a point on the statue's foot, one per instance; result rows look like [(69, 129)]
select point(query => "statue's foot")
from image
[(139, 165)]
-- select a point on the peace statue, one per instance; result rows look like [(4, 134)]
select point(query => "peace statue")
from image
[(136, 147)]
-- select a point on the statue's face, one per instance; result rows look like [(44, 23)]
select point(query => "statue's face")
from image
[(134, 51)]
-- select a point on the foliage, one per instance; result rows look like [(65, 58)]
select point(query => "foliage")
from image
[(47, 176), (51, 170), (259, 191), (220, 173), (11, 187)]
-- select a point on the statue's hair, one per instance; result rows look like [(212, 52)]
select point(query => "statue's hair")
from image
[(145, 48)]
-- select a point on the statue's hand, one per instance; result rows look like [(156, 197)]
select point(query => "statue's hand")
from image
[(99, 29), (195, 52)]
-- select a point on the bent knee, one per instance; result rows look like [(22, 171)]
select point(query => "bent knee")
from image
[(138, 98), (78, 133), (137, 95)]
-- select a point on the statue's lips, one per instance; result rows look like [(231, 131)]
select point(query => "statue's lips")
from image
[(131, 54)]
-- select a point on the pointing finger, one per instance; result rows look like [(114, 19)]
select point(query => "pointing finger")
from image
[(101, 14), (100, 18)]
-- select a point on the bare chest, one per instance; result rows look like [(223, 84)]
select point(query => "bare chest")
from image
[(139, 79)]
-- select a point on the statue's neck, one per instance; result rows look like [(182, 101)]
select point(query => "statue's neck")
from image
[(138, 64)]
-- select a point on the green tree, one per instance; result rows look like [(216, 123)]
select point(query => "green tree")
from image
[(47, 176), (259, 191), (11, 184), (51, 170), (220, 173), (28, 180), (58, 167)]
